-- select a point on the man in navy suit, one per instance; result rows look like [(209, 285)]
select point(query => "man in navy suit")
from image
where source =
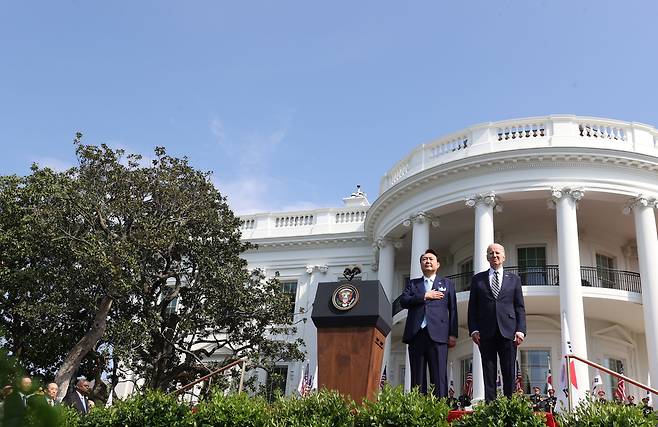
[(496, 320), (431, 325)]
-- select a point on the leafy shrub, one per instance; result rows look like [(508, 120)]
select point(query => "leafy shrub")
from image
[(153, 409), (322, 409), (591, 413), (397, 408), (239, 410), (502, 412), (42, 415)]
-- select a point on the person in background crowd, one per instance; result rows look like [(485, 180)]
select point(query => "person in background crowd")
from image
[(601, 395), (6, 391), (550, 402), (464, 400), (51, 394), (631, 400), (536, 399), (646, 409), (452, 401), (16, 404), (78, 398)]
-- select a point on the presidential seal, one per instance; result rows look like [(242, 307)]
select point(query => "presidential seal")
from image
[(345, 297)]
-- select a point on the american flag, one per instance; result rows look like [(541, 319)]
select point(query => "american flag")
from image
[(468, 385), (519, 377), (305, 383), (621, 387), (382, 381)]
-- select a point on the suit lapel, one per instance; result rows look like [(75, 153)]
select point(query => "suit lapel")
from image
[(487, 285)]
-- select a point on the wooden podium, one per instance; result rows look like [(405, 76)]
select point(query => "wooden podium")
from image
[(353, 320)]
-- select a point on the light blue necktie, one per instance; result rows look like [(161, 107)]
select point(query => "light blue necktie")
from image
[(428, 286)]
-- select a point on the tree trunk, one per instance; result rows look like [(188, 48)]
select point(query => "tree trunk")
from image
[(81, 348)]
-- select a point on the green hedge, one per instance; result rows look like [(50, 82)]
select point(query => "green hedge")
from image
[(327, 409), (153, 409), (396, 408), (503, 412), (609, 414), (233, 410)]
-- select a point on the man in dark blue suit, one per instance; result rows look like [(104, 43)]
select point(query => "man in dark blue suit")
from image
[(496, 320), (431, 325)]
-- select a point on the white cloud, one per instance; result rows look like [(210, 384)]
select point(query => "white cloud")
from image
[(217, 129), (249, 158), (245, 196), (57, 165)]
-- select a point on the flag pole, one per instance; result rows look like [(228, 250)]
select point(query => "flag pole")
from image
[(566, 356)]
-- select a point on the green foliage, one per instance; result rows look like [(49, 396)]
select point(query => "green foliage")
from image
[(396, 408), (43, 415), (502, 412), (608, 414), (233, 410), (326, 409), (102, 250), (322, 409), (153, 409)]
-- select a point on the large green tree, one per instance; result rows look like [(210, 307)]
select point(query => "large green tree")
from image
[(133, 262)]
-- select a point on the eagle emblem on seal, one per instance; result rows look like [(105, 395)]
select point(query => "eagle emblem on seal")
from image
[(345, 297)]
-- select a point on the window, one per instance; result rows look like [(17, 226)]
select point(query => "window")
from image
[(465, 366), (276, 382), (532, 265), (463, 280), (172, 307), (289, 288), (605, 270), (534, 365), (610, 382)]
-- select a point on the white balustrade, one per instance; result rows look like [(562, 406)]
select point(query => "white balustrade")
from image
[(351, 216), (248, 224), (300, 223), (594, 130), (532, 132), (444, 147), (521, 131), (293, 221)]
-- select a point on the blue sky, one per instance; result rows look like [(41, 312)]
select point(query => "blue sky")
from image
[(293, 103)]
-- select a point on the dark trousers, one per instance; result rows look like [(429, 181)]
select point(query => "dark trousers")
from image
[(424, 353), (505, 350)]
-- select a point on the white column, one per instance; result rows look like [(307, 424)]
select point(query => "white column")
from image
[(420, 241), (386, 277), (483, 237), (647, 251), (571, 294)]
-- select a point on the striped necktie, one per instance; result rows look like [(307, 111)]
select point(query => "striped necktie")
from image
[(495, 285)]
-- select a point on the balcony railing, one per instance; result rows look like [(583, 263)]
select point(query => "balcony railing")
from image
[(549, 276), (532, 132)]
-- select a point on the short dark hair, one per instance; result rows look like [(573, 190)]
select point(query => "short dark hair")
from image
[(430, 251)]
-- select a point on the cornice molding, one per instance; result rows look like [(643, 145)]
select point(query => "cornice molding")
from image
[(310, 241), (522, 159)]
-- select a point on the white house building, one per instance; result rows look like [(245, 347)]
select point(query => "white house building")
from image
[(573, 201)]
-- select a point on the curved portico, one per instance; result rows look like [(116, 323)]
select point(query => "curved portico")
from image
[(561, 182), (572, 199)]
